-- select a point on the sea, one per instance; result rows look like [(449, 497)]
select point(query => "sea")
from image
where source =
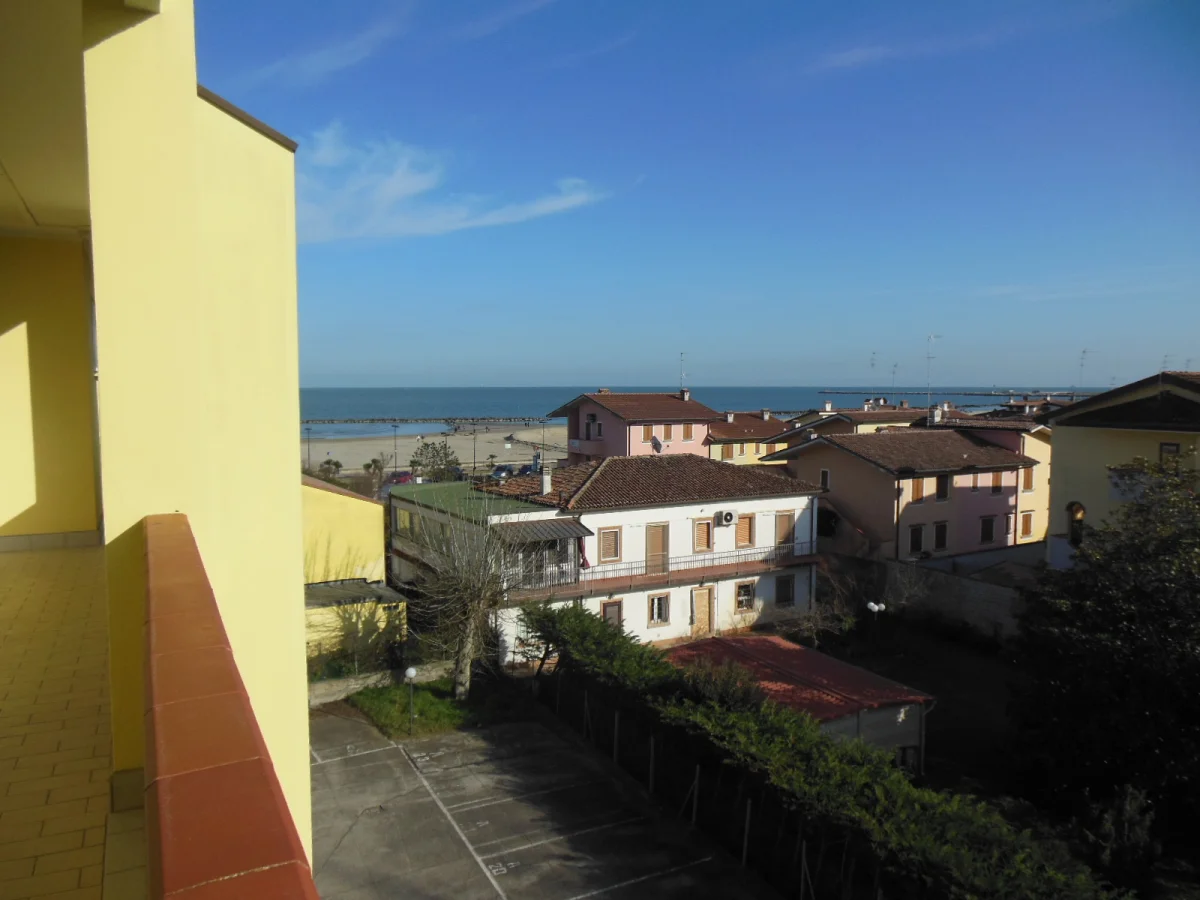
[(535, 402)]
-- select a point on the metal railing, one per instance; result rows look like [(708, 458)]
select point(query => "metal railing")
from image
[(751, 559)]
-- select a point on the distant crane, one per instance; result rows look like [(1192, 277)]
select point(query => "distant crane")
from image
[(929, 368)]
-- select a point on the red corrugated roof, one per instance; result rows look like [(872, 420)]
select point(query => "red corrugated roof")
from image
[(803, 679)]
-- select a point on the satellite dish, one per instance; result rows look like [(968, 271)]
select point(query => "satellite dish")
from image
[(656, 444)]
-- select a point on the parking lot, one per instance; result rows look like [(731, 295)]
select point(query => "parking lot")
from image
[(513, 811)]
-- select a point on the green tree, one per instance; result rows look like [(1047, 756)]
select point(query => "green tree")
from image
[(434, 461), (329, 470), (1111, 651)]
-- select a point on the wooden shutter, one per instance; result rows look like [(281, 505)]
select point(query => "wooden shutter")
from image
[(1027, 475), (1026, 524), (727, 451), (745, 531), (785, 526), (668, 431), (918, 490), (647, 433), (610, 544), (974, 481), (687, 431), (997, 482), (703, 534)]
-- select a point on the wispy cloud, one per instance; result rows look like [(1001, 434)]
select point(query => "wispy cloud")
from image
[(864, 55), (568, 60), (390, 190), (480, 28), (314, 66)]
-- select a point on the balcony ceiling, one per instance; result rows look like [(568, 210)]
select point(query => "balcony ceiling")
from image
[(43, 139)]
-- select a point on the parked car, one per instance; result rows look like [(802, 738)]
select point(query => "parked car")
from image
[(527, 469), (458, 473), (399, 478), (502, 472)]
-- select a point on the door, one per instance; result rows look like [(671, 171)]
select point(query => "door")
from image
[(785, 527), (702, 611), (612, 612), (656, 549)]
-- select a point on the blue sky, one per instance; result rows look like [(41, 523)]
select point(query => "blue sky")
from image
[(568, 192)]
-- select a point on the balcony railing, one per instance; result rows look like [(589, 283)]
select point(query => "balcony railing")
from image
[(663, 570)]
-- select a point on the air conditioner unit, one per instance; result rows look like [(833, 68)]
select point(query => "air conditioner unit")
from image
[(725, 517)]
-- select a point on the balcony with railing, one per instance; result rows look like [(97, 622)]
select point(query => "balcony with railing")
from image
[(573, 580)]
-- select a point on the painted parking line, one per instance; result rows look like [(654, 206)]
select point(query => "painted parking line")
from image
[(640, 879), (321, 762), (562, 837), (472, 805)]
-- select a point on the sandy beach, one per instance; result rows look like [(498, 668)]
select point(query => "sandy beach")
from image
[(353, 452)]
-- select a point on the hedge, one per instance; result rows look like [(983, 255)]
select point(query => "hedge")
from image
[(936, 843)]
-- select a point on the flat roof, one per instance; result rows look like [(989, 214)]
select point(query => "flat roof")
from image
[(354, 590), (803, 679), (459, 498)]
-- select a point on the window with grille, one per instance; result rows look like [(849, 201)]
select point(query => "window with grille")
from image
[(943, 487), (744, 595), (941, 531), (1027, 479), (785, 590), (745, 531), (610, 544), (660, 609), (668, 432), (687, 431), (997, 482), (704, 532), (918, 490), (987, 530), (647, 433)]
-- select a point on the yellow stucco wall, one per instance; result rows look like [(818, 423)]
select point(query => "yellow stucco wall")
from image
[(193, 231), (750, 457), (1037, 446), (1081, 460), (47, 450), (343, 536)]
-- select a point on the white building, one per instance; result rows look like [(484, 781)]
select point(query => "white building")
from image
[(672, 547)]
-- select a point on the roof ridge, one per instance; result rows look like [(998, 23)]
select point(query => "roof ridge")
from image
[(587, 482)]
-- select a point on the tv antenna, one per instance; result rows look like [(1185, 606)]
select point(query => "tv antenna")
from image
[(895, 366), (1166, 362), (681, 374), (1082, 359), (929, 368), (872, 365)]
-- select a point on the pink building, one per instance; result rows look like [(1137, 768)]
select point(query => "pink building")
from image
[(634, 424), (916, 493)]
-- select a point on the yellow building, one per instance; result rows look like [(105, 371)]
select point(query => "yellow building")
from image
[(151, 586), (743, 438), (1155, 419), (345, 534)]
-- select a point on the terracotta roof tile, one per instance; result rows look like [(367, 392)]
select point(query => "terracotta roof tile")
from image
[(746, 426), (630, 481), (996, 423), (645, 407), (919, 450)]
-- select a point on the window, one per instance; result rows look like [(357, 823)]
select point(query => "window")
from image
[(1027, 479), (745, 530), (741, 449), (403, 521), (599, 429), (647, 433), (785, 590), (1008, 524), (758, 449), (916, 538), (668, 432), (941, 531), (918, 490), (825, 479), (1026, 524), (975, 481), (785, 527), (727, 451), (1168, 452), (743, 595), (660, 609), (612, 612), (943, 488), (703, 532), (997, 482), (987, 530), (610, 544), (687, 431)]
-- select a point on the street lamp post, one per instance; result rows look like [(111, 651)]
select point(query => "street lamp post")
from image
[(409, 674), (309, 430), (395, 451), (876, 609)]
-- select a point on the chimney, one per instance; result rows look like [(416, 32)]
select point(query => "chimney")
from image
[(904, 404), (766, 414), (685, 394), (602, 391), (547, 477), (945, 406), (729, 417), (812, 435), (935, 415), (828, 406), (867, 405)]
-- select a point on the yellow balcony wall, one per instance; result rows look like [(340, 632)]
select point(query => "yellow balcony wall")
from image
[(343, 534)]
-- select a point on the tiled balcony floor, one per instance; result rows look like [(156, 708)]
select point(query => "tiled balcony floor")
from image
[(55, 748)]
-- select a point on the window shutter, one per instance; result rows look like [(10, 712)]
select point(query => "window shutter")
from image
[(647, 433), (610, 545), (745, 531), (668, 430), (687, 432), (918, 490), (727, 451), (997, 482), (703, 535), (1028, 476)]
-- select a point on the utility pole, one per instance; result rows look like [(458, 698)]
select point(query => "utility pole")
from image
[(395, 450), (309, 430), (929, 369)]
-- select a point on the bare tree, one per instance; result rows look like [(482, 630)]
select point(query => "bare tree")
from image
[(907, 584), (835, 607), (465, 572)]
